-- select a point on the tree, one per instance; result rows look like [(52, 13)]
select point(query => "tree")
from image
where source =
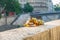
[(10, 6), (28, 8), (17, 7), (13, 6), (57, 7)]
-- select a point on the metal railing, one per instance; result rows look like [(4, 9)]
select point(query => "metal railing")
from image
[(47, 16)]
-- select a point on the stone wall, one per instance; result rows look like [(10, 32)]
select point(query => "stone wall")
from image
[(22, 19)]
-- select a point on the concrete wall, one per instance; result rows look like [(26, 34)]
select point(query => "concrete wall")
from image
[(22, 19)]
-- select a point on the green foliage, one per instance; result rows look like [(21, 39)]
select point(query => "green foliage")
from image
[(57, 7), (17, 7), (28, 8), (0, 15), (2, 3), (18, 26), (11, 6)]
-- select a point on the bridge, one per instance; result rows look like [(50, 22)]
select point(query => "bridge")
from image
[(47, 16)]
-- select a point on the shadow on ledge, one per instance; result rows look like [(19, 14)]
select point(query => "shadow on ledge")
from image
[(8, 27)]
